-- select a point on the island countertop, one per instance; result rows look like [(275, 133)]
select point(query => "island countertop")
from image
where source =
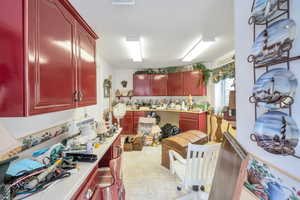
[(66, 188)]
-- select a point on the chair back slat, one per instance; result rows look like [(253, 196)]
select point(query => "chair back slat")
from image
[(201, 163), (115, 168)]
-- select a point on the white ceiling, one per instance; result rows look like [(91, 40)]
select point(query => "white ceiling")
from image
[(168, 28)]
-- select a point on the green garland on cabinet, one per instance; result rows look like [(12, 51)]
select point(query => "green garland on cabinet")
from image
[(170, 70), (221, 73)]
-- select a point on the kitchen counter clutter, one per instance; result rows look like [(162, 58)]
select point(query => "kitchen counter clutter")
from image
[(70, 188), (60, 175)]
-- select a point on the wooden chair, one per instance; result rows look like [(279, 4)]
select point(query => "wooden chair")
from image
[(214, 128), (197, 171), (232, 131), (208, 125), (224, 126)]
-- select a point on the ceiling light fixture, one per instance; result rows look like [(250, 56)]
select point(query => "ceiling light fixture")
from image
[(123, 2), (135, 48), (197, 49)]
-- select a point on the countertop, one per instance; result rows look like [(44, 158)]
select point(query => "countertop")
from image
[(64, 189), (176, 111)]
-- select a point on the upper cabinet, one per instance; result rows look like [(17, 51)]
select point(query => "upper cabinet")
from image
[(48, 58), (159, 84), (142, 85), (51, 60), (175, 84), (193, 83), (86, 68)]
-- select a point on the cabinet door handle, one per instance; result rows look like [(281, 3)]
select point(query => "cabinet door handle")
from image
[(80, 95), (89, 193), (75, 94)]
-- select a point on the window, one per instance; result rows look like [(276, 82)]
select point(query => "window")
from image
[(222, 89)]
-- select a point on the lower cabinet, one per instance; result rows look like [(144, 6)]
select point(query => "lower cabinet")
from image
[(187, 121), (112, 152), (136, 117), (193, 121), (130, 122), (88, 189), (127, 123)]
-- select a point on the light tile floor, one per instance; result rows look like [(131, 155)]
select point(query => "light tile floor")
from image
[(145, 178)]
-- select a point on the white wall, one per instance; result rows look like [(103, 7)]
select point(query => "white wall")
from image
[(123, 74), (22, 126), (244, 84)]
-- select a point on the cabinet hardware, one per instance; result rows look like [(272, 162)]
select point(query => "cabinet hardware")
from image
[(89, 193), (75, 94), (80, 95)]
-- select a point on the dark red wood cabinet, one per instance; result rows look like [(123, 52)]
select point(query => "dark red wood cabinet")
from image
[(47, 58), (159, 84), (86, 69), (175, 84), (51, 61), (136, 117), (193, 83), (193, 121), (127, 123), (142, 85)]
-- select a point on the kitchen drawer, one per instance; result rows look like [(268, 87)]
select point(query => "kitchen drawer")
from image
[(189, 116)]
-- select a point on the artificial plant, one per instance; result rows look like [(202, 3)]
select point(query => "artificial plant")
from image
[(206, 72)]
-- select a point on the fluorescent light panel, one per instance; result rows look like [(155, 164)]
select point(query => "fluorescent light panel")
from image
[(135, 49), (123, 2), (197, 49)]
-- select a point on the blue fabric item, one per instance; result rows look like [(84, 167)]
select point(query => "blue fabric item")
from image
[(40, 152), (22, 166)]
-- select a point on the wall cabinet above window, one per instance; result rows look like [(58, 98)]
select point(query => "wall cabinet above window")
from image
[(47, 58)]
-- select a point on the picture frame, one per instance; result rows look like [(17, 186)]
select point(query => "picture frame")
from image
[(261, 180)]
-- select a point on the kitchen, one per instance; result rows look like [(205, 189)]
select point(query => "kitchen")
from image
[(98, 99)]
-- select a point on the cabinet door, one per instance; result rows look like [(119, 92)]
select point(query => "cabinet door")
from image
[(142, 85), (159, 84), (86, 68), (194, 84), (51, 71), (175, 84), (202, 119), (188, 124), (11, 59), (136, 117), (127, 124), (188, 121)]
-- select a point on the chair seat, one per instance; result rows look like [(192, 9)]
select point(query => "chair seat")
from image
[(105, 181), (104, 171)]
